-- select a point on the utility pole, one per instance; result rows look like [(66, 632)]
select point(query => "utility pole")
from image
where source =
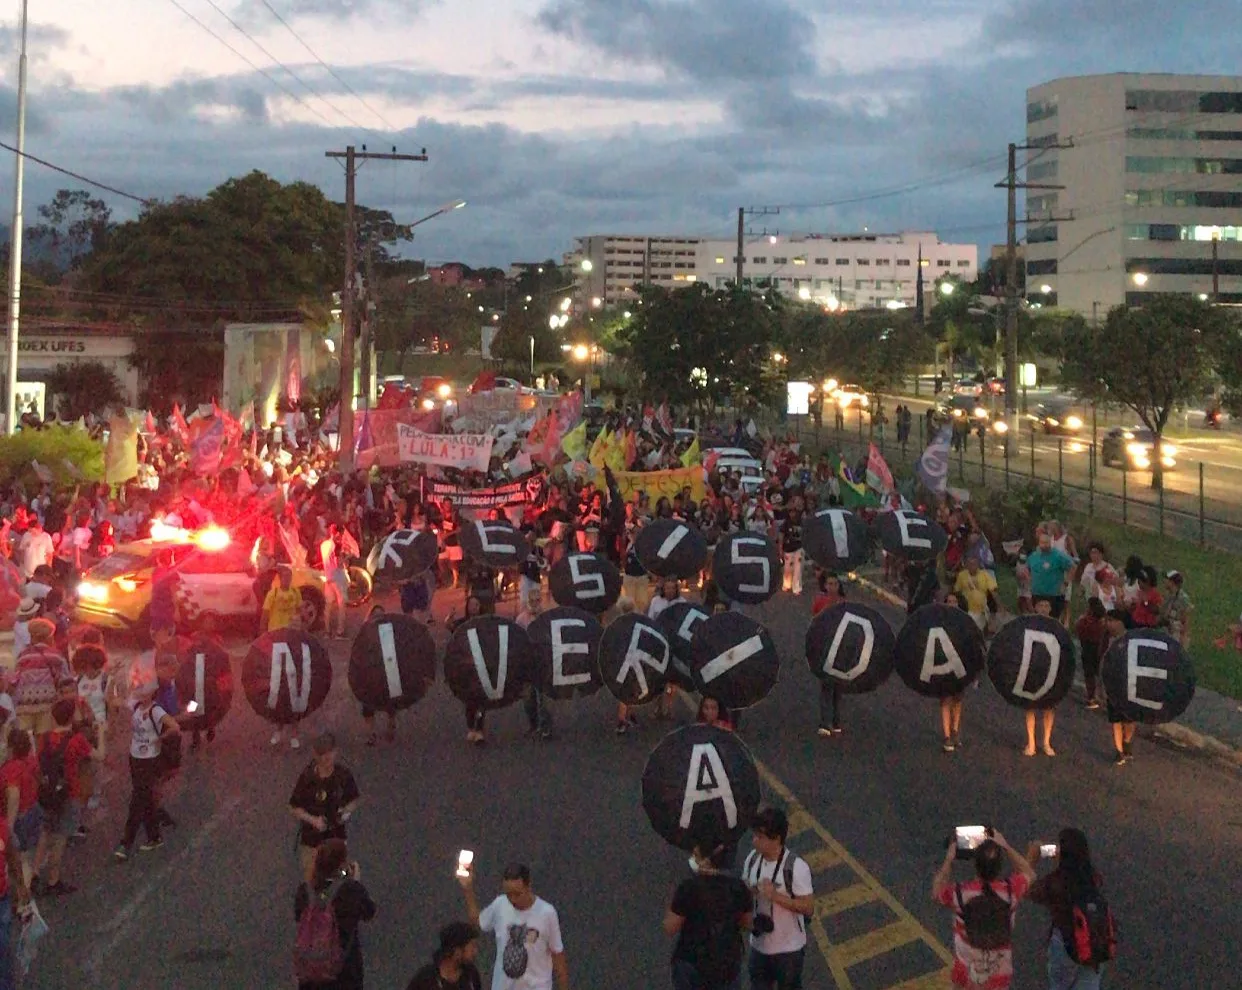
[(1011, 185), (15, 242), (366, 338), (742, 213), (352, 157)]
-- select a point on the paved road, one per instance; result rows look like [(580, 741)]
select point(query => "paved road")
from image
[(213, 907)]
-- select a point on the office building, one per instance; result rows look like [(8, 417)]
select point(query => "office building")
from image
[(1150, 197), (850, 271), (615, 264)]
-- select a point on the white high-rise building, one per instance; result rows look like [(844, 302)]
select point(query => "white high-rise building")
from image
[(617, 263), (1153, 178), (853, 271)]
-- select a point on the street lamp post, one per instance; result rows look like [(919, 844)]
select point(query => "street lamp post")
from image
[(532, 359), (15, 234)]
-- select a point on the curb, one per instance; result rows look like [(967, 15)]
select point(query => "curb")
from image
[(1174, 732)]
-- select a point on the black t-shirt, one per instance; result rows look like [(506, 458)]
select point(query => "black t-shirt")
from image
[(429, 978), (791, 531), (323, 797), (711, 937)]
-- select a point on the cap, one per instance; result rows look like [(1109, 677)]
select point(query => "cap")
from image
[(1174, 576), (28, 609)]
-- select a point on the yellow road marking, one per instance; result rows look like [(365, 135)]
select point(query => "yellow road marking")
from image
[(820, 860), (875, 943), (826, 905)]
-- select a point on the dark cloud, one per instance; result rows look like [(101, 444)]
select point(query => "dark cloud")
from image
[(712, 41), (41, 38)]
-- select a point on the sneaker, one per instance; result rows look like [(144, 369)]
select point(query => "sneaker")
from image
[(622, 727), (59, 889), (79, 835), (295, 743), (821, 731), (120, 854), (837, 730), (1092, 705), (546, 735), (275, 740), (957, 740), (948, 745), (632, 719), (151, 844), (1121, 760)]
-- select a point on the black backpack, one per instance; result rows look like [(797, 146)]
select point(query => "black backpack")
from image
[(53, 777), (987, 918)]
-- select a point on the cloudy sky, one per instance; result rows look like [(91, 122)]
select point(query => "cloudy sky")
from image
[(564, 117)]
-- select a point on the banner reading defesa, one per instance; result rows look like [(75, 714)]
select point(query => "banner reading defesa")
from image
[(464, 451), (662, 483)]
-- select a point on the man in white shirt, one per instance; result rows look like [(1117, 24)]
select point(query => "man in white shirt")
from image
[(670, 594), (529, 950), (35, 549), (781, 884)]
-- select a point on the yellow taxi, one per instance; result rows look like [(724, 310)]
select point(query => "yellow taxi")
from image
[(215, 583)]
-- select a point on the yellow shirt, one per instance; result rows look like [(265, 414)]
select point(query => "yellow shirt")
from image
[(282, 607), (974, 589)]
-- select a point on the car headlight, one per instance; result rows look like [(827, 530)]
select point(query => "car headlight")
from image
[(444, 390), (1141, 462), (980, 412), (958, 412), (1076, 447), (1168, 450), (1073, 422), (1000, 426), (1053, 421), (92, 592), (864, 400), (428, 404), (1136, 449)]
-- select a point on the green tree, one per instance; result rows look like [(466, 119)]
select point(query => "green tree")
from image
[(184, 367), (83, 387), (414, 314), (1151, 359)]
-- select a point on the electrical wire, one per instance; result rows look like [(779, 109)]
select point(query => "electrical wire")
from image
[(331, 71), (298, 79), (76, 175), (263, 72)]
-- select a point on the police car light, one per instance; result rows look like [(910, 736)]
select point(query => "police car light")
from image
[(163, 532)]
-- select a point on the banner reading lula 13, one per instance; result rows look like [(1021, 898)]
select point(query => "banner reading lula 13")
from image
[(465, 451)]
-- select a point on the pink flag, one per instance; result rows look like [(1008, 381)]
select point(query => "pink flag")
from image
[(879, 477)]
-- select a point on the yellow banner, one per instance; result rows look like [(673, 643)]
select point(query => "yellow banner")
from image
[(662, 483)]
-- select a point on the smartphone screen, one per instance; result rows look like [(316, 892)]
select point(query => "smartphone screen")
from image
[(1048, 850), (465, 860), (970, 837), (191, 707)]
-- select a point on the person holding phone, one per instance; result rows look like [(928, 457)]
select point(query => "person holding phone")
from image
[(150, 727)]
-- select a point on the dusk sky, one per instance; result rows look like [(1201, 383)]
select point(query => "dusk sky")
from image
[(556, 118)]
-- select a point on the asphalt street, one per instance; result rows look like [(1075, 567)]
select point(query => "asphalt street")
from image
[(213, 907)]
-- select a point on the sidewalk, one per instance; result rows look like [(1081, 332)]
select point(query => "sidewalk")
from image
[(1211, 725)]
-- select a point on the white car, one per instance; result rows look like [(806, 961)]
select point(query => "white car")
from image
[(735, 460), (848, 395)]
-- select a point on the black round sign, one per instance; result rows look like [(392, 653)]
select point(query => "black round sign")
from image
[(491, 542), (403, 554), (734, 659), (836, 539), (939, 651), (1148, 677), (700, 782), (671, 548), (392, 662), (850, 646), (634, 659), (488, 662), (565, 642), (586, 580), (678, 623), (747, 567), (911, 535), (205, 676), (286, 675), (1031, 662)]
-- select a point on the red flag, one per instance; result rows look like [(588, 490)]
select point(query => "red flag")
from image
[(148, 423), (485, 382), (709, 464), (178, 426)]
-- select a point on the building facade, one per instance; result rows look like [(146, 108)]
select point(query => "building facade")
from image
[(842, 271), (1151, 189), (41, 352), (849, 271)]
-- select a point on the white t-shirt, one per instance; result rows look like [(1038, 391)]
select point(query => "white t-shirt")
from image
[(1090, 586), (537, 928), (659, 603), (789, 931), (35, 550), (145, 743), (91, 690)]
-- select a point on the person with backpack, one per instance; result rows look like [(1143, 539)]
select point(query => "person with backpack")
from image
[(781, 884), (983, 911), (150, 727), (64, 760), (1082, 936), (709, 913), (529, 949), (35, 683), (327, 950)]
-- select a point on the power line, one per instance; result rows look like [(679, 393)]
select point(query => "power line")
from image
[(315, 55), (300, 81), (263, 72), (885, 192), (75, 175)]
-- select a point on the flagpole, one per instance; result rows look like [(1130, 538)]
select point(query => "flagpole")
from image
[(15, 237)]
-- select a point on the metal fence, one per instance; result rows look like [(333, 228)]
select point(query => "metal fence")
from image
[(1198, 501)]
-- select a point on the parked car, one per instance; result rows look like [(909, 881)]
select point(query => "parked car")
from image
[(1132, 449)]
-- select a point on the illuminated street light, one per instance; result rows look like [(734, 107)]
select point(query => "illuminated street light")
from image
[(1140, 278), (804, 293), (778, 357), (1203, 297), (627, 314), (587, 265), (330, 344), (565, 304), (830, 386), (581, 352), (772, 239), (946, 288), (895, 304), (554, 321), (1046, 289), (596, 302)]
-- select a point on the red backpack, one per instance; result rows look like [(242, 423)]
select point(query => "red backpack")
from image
[(318, 956), (1092, 937)]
